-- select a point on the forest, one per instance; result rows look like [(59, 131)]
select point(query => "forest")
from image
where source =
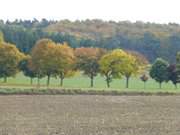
[(150, 39)]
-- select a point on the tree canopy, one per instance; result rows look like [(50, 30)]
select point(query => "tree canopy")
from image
[(159, 71), (10, 57), (87, 61)]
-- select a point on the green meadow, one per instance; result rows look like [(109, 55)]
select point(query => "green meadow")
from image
[(83, 82)]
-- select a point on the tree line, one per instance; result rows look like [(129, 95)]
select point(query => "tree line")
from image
[(151, 40), (59, 60)]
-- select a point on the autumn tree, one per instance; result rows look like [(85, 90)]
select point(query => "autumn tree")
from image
[(87, 61), (158, 71), (10, 57), (51, 59), (135, 63), (113, 64), (141, 60), (131, 68), (64, 61), (119, 63), (42, 58)]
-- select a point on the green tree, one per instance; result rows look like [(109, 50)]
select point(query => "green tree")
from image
[(173, 74), (178, 58), (25, 66), (178, 66), (158, 71)]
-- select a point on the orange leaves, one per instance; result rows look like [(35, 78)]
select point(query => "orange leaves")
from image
[(51, 58), (10, 57), (89, 52)]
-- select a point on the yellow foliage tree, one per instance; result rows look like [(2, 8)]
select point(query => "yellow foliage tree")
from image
[(138, 64), (65, 61), (141, 61), (118, 63), (42, 55), (51, 59), (112, 64), (132, 68), (10, 57)]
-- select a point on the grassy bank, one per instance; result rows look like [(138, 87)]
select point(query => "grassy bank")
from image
[(75, 91)]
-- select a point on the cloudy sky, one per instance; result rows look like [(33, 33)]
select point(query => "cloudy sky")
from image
[(159, 11)]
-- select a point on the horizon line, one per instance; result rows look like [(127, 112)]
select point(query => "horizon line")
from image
[(91, 19)]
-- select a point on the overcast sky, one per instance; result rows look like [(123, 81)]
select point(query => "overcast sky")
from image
[(159, 11)]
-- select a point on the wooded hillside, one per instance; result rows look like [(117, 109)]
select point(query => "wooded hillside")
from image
[(152, 40)]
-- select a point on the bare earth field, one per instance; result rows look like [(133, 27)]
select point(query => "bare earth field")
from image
[(89, 115)]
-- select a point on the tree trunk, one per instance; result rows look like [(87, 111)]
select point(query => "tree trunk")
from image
[(127, 82), (144, 85), (61, 81), (31, 79), (107, 82), (160, 84), (5, 79), (48, 80), (92, 81), (175, 86), (38, 79)]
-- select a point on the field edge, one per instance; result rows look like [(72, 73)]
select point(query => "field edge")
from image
[(81, 91)]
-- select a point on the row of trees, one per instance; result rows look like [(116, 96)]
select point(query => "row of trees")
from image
[(59, 60), (162, 71), (51, 59)]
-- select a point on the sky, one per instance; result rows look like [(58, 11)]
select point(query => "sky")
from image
[(158, 11)]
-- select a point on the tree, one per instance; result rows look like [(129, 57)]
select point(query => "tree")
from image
[(141, 60), (173, 74), (178, 66), (87, 61), (10, 57), (64, 61), (136, 63), (178, 58), (158, 71), (144, 78), (27, 68), (113, 64), (120, 63), (1, 37), (51, 59), (42, 58)]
